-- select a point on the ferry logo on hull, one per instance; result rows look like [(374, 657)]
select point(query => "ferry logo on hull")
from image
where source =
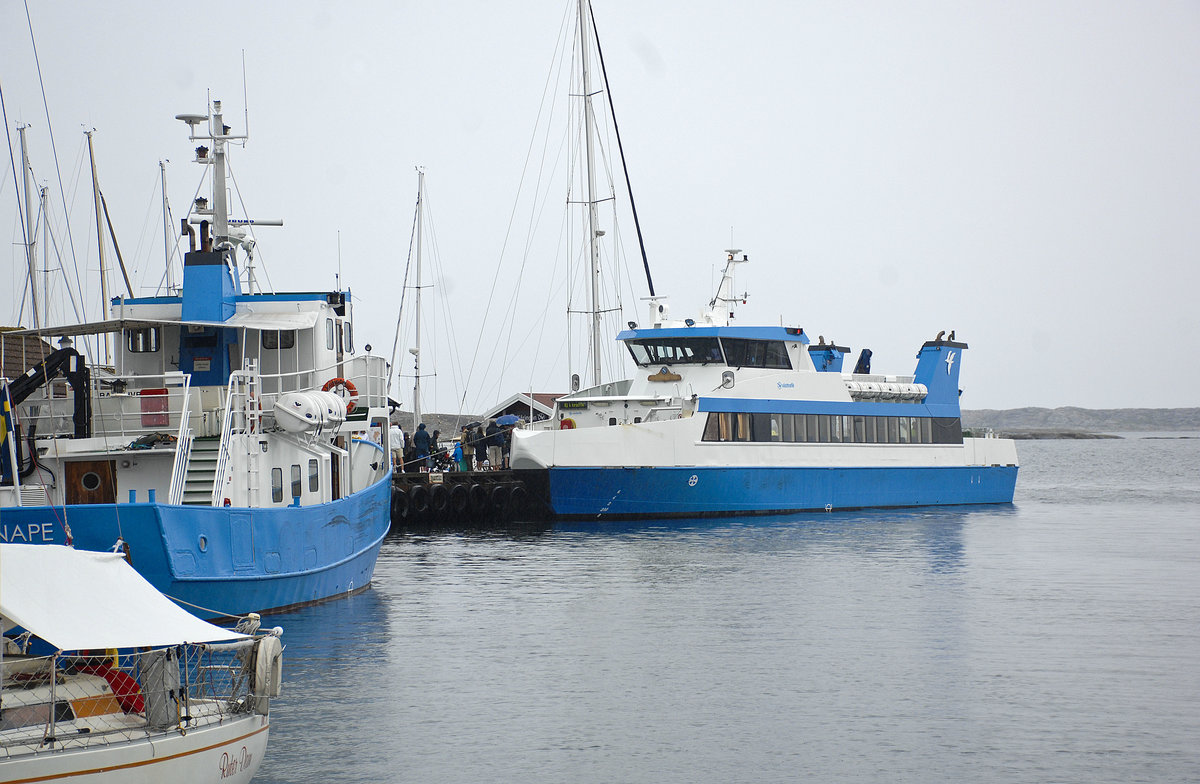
[(949, 362)]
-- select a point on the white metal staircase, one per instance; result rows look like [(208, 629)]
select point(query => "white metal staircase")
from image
[(201, 472)]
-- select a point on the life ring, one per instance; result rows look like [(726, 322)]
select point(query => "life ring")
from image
[(567, 424), (351, 390)]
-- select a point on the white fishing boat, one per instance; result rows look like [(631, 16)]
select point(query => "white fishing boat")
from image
[(104, 679)]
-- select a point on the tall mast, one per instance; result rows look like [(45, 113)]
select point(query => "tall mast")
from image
[(30, 239), (168, 232), (593, 247), (220, 208), (100, 247), (416, 352), (45, 256)]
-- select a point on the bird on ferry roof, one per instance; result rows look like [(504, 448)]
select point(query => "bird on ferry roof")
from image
[(939, 335)]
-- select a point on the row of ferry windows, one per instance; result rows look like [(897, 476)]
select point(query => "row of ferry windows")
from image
[(314, 482), (734, 352), (833, 429)]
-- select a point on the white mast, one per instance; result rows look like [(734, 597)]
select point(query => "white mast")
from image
[(168, 230), (30, 240), (45, 256), (100, 247), (416, 352), (593, 248)]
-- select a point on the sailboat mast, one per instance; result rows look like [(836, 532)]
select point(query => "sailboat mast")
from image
[(30, 239), (45, 256), (593, 239), (417, 302), (100, 246), (168, 233)]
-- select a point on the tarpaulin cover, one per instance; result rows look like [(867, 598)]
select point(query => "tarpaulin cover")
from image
[(76, 599)]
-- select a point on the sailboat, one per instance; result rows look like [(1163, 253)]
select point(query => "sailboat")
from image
[(235, 451), (726, 419)]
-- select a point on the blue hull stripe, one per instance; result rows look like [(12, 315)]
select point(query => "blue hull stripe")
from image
[(231, 560), (689, 492)]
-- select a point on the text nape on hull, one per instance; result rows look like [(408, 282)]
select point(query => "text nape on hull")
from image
[(722, 420), (232, 441)]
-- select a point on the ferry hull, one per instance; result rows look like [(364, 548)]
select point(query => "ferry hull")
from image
[(227, 561), (588, 492)]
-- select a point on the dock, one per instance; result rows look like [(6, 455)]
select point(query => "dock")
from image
[(477, 499)]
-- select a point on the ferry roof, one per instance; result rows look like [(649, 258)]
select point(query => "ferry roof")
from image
[(287, 296), (700, 331)]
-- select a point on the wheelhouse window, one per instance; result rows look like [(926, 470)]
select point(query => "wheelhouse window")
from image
[(674, 351), (329, 334), (273, 338), (741, 352), (349, 337), (142, 341)]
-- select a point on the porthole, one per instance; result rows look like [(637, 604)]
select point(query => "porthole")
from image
[(203, 543), (90, 481)]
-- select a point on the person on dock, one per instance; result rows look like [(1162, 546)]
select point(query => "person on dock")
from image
[(495, 445), (396, 444), (421, 445), (464, 450), (479, 441)]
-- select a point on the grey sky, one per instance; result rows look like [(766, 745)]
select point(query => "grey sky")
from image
[(1025, 173)]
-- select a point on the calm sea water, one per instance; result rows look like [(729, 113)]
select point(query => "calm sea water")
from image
[(1054, 640)]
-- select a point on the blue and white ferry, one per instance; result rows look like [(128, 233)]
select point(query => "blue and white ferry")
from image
[(723, 419), (233, 444)]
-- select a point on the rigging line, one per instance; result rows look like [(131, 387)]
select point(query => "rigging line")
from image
[(54, 148), (262, 264), (448, 319), (113, 236), (394, 371), (625, 167), (516, 201)]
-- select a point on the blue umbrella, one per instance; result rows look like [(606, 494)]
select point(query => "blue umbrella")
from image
[(508, 419)]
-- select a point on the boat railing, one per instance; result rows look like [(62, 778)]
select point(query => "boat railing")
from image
[(367, 374), (75, 701), (240, 414), (123, 410)]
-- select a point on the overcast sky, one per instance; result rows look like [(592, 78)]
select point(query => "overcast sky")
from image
[(1026, 173)]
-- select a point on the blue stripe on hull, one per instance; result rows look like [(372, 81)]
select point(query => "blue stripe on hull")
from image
[(672, 492), (232, 560)]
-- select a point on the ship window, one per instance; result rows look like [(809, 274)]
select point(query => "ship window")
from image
[(314, 477), (787, 422), (142, 341), (926, 430), (947, 430), (712, 428), (674, 351), (276, 485), (297, 485), (612, 421), (903, 430), (274, 338), (349, 337), (329, 334), (740, 352)]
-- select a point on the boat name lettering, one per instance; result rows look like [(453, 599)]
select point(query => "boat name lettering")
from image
[(786, 385), (28, 533), (572, 404), (232, 764)]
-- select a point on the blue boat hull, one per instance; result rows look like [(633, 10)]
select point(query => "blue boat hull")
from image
[(227, 561), (695, 491)]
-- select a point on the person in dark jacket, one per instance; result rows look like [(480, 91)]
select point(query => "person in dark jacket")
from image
[(479, 441), (495, 445), (421, 441)]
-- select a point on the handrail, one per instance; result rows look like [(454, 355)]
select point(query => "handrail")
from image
[(183, 446), (226, 433)]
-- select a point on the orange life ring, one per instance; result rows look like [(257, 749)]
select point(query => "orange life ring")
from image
[(351, 390), (567, 424)]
